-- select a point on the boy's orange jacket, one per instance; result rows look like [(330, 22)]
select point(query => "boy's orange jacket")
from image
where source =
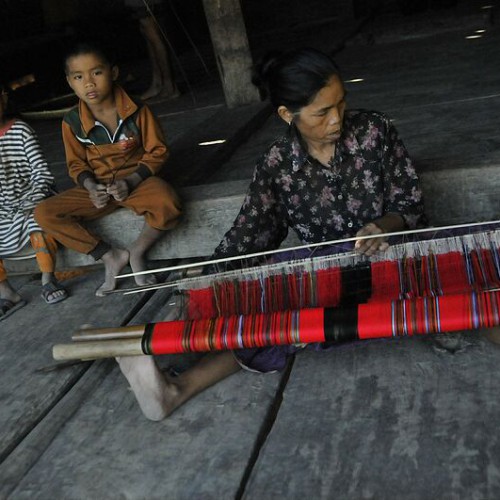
[(138, 145)]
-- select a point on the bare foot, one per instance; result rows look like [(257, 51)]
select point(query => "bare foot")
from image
[(138, 264), (8, 293), (114, 261), (153, 91), (162, 95), (156, 393), (167, 94)]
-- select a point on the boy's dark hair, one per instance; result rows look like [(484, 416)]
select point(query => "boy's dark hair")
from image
[(88, 47), (292, 79)]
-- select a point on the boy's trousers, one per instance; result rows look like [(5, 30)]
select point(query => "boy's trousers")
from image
[(61, 215)]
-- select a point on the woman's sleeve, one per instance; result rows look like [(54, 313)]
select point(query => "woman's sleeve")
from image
[(261, 223), (402, 192)]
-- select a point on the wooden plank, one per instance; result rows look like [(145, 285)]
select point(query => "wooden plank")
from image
[(387, 419), (455, 191), (106, 447), (232, 52), (441, 90), (191, 164), (25, 347), (208, 213), (459, 195)]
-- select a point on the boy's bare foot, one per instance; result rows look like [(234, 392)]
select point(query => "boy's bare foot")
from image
[(138, 264), (114, 261), (156, 393)]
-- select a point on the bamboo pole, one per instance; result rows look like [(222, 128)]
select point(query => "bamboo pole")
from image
[(114, 333), (98, 349)]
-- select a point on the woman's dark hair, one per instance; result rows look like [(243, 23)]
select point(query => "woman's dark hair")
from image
[(87, 47), (292, 79)]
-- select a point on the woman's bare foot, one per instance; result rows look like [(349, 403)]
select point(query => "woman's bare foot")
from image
[(114, 261), (156, 392), (159, 395)]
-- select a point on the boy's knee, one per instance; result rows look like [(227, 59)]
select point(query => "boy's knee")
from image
[(38, 212), (41, 212)]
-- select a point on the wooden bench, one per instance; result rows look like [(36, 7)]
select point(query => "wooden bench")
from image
[(463, 192)]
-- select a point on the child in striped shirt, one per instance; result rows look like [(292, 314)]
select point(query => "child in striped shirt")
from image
[(25, 179)]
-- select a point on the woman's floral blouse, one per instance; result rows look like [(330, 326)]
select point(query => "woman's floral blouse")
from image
[(369, 176)]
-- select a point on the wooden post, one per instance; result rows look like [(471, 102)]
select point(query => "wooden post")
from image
[(232, 52)]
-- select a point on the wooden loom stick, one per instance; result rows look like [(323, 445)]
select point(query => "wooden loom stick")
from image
[(407, 317), (196, 335), (124, 332), (188, 275), (98, 349), (310, 246)]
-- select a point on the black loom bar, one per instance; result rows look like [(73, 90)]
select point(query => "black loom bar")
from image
[(146, 338), (341, 324)]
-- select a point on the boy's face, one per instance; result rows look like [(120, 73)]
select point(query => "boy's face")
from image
[(91, 78)]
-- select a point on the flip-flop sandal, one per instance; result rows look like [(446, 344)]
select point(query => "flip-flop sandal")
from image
[(7, 307), (48, 290)]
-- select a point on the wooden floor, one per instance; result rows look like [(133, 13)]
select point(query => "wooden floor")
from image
[(395, 419)]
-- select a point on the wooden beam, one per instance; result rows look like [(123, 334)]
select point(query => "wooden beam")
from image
[(232, 52)]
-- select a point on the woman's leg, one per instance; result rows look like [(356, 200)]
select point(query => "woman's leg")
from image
[(159, 395)]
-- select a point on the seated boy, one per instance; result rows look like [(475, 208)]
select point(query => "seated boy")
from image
[(114, 151)]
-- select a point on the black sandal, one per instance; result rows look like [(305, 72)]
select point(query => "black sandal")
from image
[(7, 307), (49, 289)]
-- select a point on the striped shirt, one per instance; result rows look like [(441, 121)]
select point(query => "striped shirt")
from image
[(25, 180)]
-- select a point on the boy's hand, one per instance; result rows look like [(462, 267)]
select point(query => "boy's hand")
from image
[(98, 195), (118, 190)]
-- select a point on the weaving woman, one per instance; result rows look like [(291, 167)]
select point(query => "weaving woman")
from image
[(335, 173)]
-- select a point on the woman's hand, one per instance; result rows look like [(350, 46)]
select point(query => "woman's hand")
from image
[(370, 246), (389, 223)]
